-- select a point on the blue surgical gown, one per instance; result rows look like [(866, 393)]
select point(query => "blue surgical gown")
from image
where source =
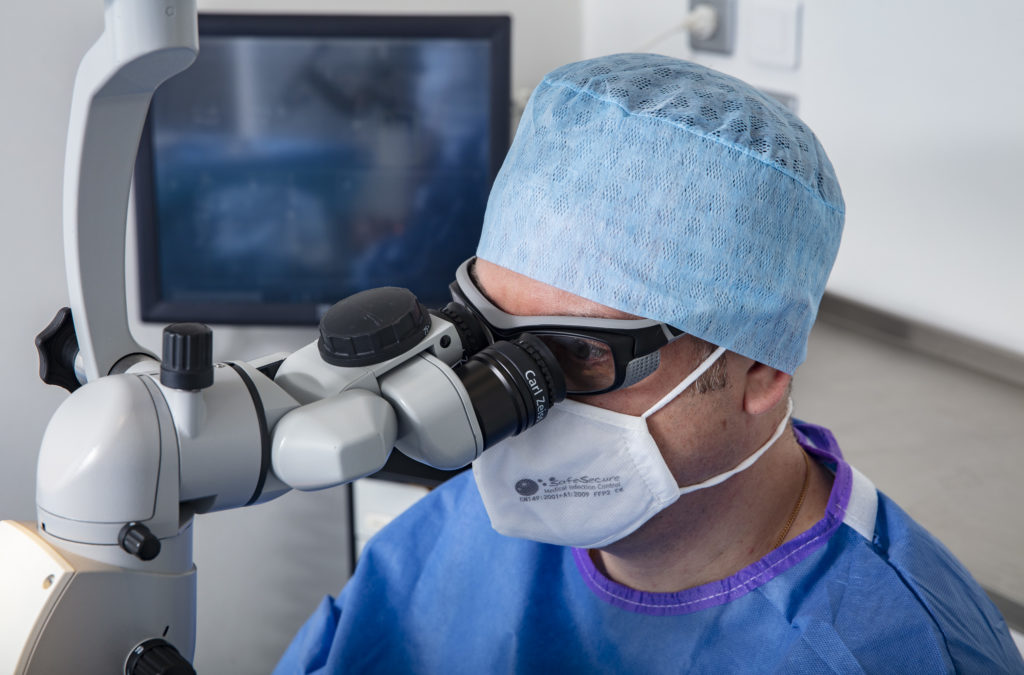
[(865, 590)]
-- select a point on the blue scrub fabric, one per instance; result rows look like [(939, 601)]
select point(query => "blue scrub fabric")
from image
[(438, 591)]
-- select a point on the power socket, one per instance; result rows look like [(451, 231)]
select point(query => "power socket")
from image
[(723, 40)]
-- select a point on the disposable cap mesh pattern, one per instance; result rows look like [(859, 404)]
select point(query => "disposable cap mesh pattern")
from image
[(670, 191)]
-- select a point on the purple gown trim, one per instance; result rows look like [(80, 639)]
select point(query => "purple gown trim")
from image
[(819, 442)]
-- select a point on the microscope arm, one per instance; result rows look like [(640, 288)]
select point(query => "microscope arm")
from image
[(144, 43)]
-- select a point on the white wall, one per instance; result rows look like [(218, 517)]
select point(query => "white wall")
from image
[(261, 569), (919, 105)]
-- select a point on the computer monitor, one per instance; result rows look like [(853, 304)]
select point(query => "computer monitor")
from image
[(305, 158)]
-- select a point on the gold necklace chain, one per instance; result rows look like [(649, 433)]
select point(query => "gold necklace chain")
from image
[(799, 503)]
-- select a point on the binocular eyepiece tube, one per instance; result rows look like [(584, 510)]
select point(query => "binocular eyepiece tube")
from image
[(512, 385), (508, 385)]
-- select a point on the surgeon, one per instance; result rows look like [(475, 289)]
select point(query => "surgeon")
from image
[(668, 231)]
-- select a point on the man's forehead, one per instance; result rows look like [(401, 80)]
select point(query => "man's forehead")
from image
[(521, 295)]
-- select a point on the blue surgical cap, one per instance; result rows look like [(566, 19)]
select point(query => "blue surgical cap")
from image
[(665, 189)]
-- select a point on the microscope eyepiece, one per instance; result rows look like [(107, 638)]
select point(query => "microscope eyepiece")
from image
[(511, 385)]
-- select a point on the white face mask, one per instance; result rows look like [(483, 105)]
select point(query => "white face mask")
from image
[(587, 477)]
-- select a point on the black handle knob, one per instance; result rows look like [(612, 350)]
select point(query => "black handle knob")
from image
[(136, 539), (372, 326), (57, 345), (157, 657), (187, 361)]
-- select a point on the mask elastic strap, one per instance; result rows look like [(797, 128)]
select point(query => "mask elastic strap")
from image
[(690, 379), (745, 464)]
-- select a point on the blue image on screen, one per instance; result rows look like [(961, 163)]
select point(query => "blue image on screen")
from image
[(294, 171)]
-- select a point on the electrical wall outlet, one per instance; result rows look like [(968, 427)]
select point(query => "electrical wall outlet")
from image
[(723, 40)]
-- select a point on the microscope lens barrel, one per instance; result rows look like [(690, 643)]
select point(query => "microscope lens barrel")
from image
[(511, 386)]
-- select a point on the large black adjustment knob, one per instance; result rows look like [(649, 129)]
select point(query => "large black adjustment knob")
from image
[(157, 657), (57, 345), (136, 539), (372, 326), (187, 361)]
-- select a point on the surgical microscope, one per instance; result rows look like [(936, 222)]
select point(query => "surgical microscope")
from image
[(104, 580)]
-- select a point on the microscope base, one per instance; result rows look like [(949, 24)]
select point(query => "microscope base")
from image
[(64, 613)]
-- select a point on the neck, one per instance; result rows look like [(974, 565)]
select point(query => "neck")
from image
[(712, 534)]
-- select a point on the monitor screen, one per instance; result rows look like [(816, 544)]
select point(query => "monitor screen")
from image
[(301, 159)]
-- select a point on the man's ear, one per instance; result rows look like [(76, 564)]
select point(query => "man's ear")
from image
[(765, 388)]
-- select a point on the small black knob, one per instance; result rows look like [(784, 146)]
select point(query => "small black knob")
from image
[(187, 361), (57, 345), (372, 326), (157, 657), (136, 539)]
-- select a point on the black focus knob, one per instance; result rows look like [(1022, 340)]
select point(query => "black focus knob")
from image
[(57, 345), (187, 361), (136, 539), (469, 328), (372, 326), (157, 657)]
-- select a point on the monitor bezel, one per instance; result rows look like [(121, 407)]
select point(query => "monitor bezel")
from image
[(496, 29)]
